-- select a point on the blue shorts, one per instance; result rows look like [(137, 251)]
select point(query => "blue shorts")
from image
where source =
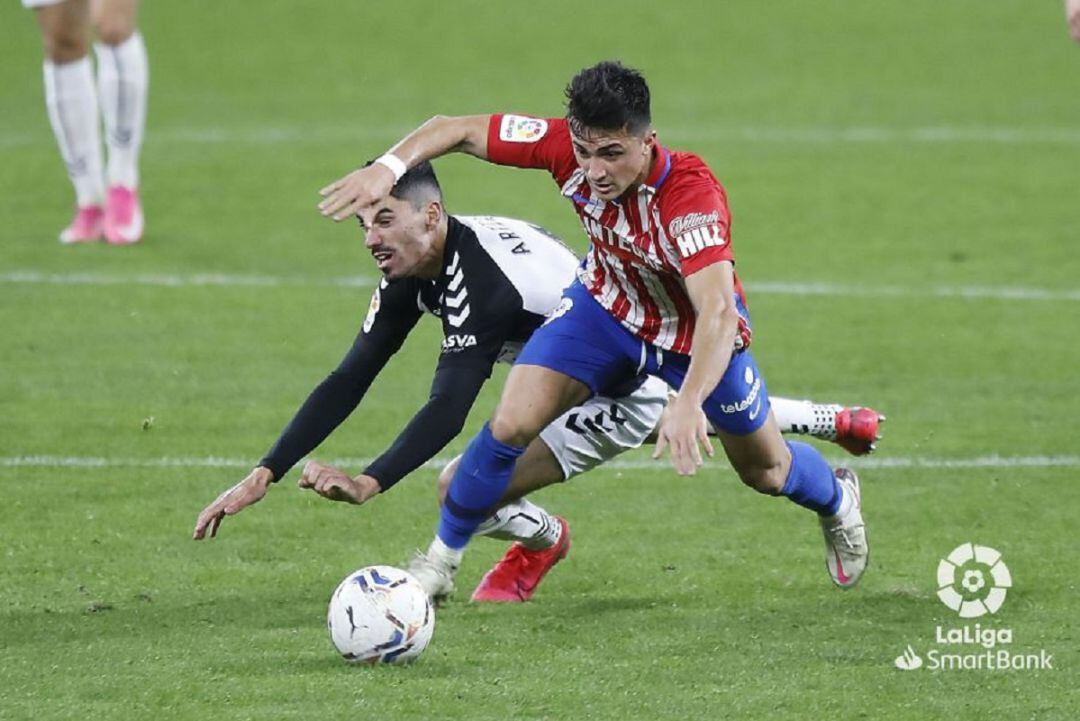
[(583, 340)]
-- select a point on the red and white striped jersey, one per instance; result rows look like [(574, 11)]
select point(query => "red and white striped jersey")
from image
[(644, 244)]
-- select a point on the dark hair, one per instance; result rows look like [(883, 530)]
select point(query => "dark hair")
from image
[(608, 96), (417, 185)]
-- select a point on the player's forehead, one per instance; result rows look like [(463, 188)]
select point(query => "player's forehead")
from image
[(595, 139), (387, 208)]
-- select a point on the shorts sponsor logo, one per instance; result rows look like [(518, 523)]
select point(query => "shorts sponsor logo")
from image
[(972, 581), (749, 400), (690, 221), (519, 129)]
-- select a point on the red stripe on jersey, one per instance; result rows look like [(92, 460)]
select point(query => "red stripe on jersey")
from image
[(596, 287), (650, 327)]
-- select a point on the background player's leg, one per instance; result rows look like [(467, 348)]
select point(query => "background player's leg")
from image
[(816, 419), (123, 78), (854, 429), (71, 101)]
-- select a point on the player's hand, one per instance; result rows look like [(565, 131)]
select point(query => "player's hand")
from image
[(346, 196), (243, 494), (682, 428), (335, 484)]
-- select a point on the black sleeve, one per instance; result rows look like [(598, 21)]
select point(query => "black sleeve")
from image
[(453, 392), (480, 309), (473, 336), (392, 314)]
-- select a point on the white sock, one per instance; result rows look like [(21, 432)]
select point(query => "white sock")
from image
[(72, 103), (440, 553), (806, 417), (524, 522), (123, 77), (846, 502)]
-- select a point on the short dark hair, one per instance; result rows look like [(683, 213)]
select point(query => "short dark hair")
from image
[(417, 185), (608, 96)]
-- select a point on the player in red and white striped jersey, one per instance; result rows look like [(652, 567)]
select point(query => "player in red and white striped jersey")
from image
[(670, 225), (657, 294)]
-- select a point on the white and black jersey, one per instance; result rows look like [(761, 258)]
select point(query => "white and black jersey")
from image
[(500, 277)]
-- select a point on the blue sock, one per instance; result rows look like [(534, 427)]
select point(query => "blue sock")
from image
[(478, 484), (811, 482)]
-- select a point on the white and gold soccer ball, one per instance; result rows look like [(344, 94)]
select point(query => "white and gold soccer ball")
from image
[(380, 614)]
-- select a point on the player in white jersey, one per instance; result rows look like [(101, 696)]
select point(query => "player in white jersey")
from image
[(491, 282), (106, 197), (658, 294)]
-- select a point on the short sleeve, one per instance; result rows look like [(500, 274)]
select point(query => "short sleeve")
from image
[(696, 219), (524, 141)]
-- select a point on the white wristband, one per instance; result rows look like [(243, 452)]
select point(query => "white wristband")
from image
[(394, 163)]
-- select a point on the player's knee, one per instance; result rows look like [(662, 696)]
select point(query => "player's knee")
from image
[(768, 479), (114, 28), (66, 45), (511, 430), (445, 477)]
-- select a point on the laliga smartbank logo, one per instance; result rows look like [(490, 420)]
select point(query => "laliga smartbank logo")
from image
[(973, 581)]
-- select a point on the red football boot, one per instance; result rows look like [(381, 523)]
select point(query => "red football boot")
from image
[(857, 430), (515, 577)]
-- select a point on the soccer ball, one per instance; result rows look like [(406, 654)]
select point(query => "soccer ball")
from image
[(380, 614)]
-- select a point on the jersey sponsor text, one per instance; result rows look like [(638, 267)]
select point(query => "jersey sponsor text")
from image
[(695, 241)]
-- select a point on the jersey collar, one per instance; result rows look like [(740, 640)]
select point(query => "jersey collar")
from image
[(661, 168)]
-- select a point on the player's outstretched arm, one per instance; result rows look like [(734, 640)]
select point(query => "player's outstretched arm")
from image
[(1072, 15), (711, 290), (336, 485), (437, 137), (245, 493)]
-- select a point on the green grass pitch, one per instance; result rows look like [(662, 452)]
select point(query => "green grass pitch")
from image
[(904, 184)]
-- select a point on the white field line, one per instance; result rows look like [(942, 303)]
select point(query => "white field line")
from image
[(877, 462), (359, 133), (180, 280)]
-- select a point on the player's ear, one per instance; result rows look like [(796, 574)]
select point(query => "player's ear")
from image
[(649, 140), (433, 214)]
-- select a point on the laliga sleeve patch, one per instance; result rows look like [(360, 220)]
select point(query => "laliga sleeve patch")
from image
[(373, 310), (521, 129)]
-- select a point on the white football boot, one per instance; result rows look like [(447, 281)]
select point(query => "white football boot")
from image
[(435, 576), (846, 549)]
